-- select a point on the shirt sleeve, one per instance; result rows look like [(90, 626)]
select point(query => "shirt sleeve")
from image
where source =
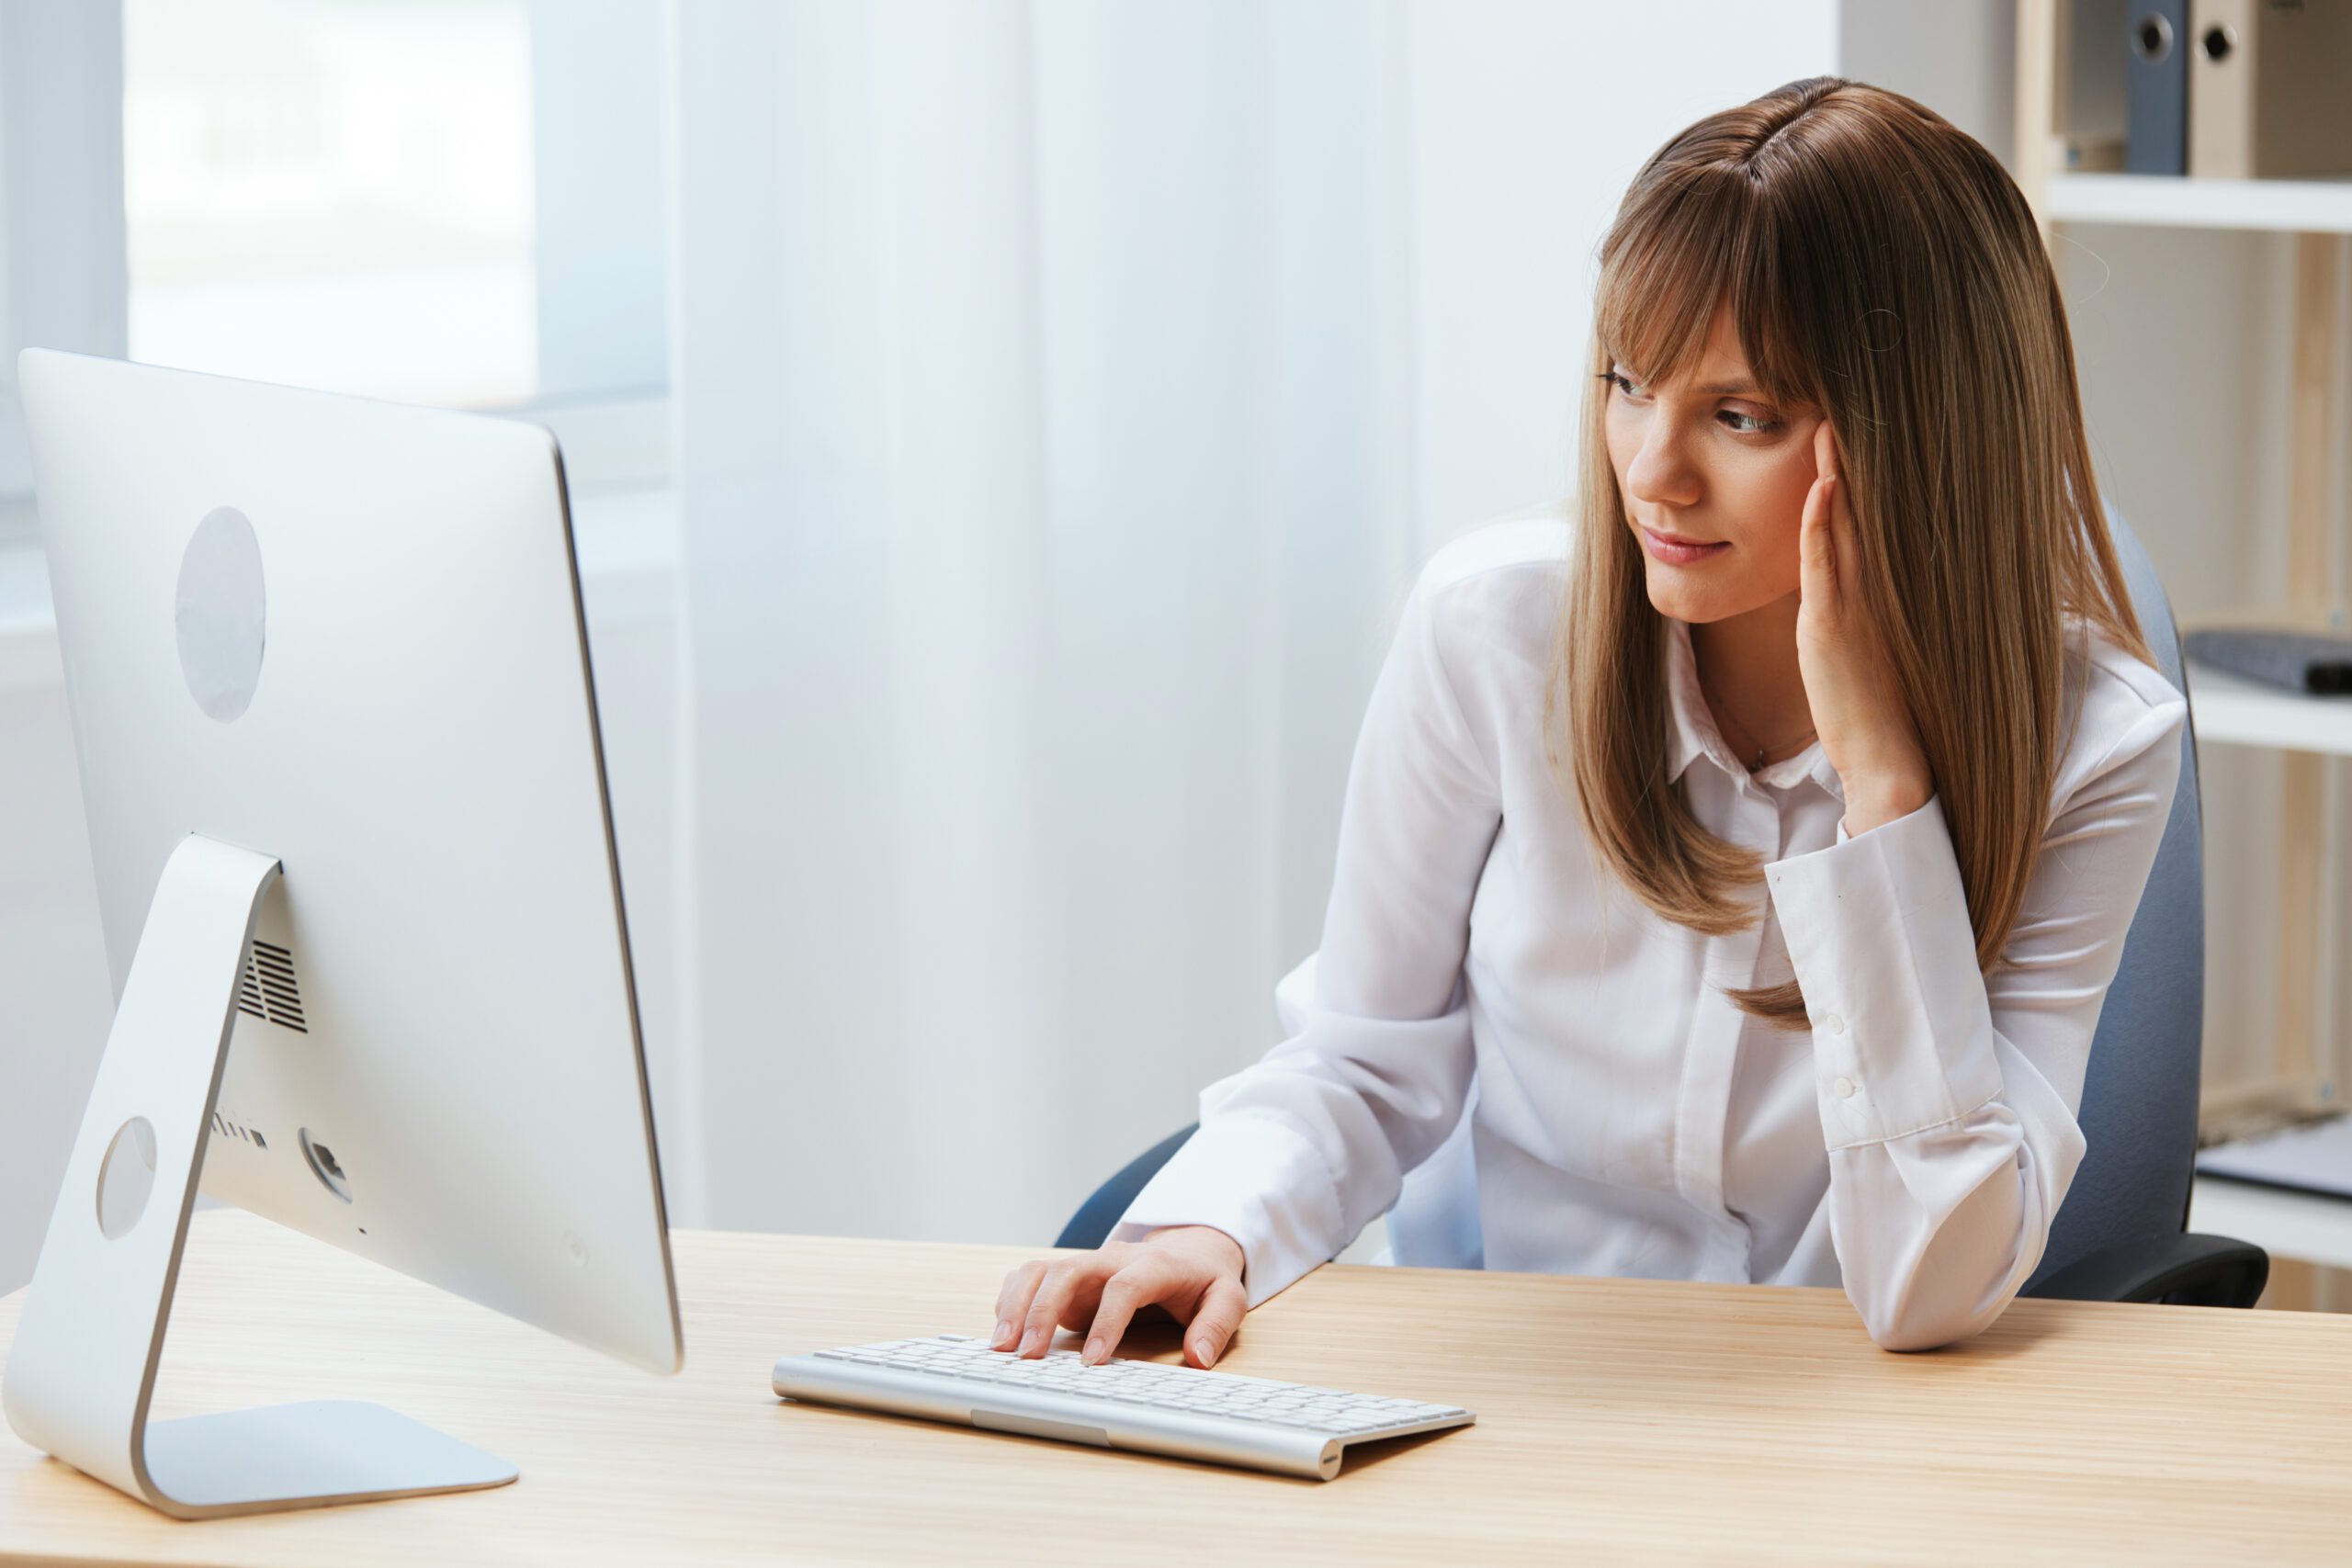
[(1299, 1151), (1948, 1099)]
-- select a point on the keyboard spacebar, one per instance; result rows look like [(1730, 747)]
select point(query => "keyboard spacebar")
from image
[(1031, 1427)]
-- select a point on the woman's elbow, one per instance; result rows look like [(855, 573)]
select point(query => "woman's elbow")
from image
[(1929, 1314), (1951, 1287), (1926, 1330)]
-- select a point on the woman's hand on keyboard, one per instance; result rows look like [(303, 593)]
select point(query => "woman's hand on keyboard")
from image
[(1193, 1271)]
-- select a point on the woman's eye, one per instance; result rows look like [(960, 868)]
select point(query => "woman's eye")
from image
[(1745, 423)]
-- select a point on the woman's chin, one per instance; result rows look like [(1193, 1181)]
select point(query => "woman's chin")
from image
[(1673, 595), (1676, 602)]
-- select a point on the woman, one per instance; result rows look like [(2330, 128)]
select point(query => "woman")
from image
[(1762, 847)]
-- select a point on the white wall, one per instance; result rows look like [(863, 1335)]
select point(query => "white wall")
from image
[(1529, 120), (598, 152)]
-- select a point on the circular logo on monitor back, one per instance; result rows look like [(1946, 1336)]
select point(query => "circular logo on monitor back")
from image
[(221, 614)]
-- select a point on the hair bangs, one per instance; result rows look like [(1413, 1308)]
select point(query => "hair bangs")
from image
[(1676, 256)]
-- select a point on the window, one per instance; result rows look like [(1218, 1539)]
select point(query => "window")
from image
[(333, 194), (458, 202), (444, 201)]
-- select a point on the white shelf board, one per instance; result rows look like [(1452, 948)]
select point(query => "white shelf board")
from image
[(2179, 202), (2285, 1224), (2232, 711)]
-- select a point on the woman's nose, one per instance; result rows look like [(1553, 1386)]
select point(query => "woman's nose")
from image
[(1661, 472)]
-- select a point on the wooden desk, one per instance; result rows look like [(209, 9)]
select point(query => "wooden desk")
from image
[(1624, 1418)]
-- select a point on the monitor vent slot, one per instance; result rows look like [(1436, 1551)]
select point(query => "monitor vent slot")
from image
[(268, 990), (228, 1129)]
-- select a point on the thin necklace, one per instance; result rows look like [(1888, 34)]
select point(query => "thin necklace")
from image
[(1760, 750)]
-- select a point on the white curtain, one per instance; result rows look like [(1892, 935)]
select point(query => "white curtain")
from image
[(1043, 399)]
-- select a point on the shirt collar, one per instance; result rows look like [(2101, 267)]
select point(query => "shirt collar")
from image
[(1695, 734)]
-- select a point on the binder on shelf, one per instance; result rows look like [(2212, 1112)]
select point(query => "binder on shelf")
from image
[(2316, 1158), (2155, 87), (2093, 128), (2311, 664), (2267, 89)]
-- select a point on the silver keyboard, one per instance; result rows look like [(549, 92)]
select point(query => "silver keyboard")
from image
[(1222, 1417)]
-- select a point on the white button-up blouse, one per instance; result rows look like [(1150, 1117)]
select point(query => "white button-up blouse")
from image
[(1488, 1005)]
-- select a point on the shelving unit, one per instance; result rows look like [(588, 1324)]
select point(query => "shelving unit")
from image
[(2285, 1224), (2310, 207), (2229, 711)]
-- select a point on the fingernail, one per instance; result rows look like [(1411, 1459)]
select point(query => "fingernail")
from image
[(1003, 1336), (1201, 1348), (1093, 1351)]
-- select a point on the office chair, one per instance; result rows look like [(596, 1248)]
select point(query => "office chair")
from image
[(2121, 1233)]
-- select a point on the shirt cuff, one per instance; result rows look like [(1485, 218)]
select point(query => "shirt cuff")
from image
[(1878, 932), (1260, 1182)]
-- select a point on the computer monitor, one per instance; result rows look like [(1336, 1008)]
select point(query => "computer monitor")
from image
[(332, 698)]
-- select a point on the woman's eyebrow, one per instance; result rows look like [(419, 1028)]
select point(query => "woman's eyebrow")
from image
[(1721, 389)]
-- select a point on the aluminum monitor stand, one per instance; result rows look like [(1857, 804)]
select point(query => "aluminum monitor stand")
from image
[(83, 1370)]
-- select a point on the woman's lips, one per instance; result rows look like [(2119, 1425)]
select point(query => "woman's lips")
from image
[(1680, 552)]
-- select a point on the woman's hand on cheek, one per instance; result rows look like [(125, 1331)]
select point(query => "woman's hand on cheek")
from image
[(1865, 728)]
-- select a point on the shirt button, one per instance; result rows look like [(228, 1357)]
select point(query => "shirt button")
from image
[(1845, 1088), (1833, 1024)]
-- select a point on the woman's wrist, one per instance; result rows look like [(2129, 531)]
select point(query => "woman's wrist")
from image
[(1208, 1238), (1877, 796)]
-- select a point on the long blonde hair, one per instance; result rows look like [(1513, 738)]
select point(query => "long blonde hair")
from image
[(1882, 266)]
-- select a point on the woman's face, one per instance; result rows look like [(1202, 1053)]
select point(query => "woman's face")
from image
[(1714, 481)]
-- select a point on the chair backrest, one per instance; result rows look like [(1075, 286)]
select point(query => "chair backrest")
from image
[(2139, 1110)]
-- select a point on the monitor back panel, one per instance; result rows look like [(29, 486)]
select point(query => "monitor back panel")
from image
[(374, 667)]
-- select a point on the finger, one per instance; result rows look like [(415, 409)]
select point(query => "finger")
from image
[(1012, 1302), (1061, 1282), (1845, 539), (1078, 1306), (1140, 1283), (1816, 551), (1221, 1307)]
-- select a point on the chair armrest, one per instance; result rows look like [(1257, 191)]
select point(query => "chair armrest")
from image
[(2188, 1269)]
